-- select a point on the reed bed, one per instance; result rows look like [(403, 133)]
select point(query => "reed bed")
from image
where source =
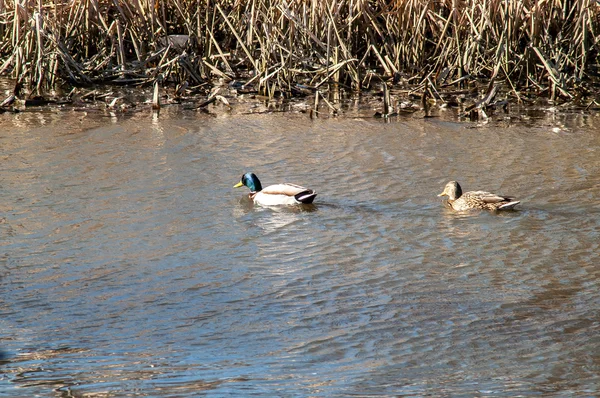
[(293, 48)]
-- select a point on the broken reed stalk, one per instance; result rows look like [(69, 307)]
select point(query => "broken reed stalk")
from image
[(550, 46), (386, 99), (156, 97)]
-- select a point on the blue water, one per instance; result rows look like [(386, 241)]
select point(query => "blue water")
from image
[(129, 266)]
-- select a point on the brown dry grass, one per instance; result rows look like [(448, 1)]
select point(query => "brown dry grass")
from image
[(278, 47)]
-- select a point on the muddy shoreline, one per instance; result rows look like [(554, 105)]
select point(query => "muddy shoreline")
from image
[(406, 57), (480, 102)]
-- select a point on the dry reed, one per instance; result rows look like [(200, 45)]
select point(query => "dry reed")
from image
[(290, 48)]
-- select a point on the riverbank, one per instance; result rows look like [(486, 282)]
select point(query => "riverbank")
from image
[(414, 55)]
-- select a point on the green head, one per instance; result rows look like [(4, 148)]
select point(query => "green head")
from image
[(251, 181)]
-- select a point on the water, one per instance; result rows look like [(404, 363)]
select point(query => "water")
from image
[(129, 266)]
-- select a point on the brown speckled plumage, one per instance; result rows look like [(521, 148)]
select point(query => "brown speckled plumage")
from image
[(476, 199)]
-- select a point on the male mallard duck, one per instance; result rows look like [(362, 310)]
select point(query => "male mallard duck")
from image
[(278, 194), (476, 199)]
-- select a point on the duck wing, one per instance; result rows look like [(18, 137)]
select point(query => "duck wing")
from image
[(490, 201), (284, 189), (488, 197), (301, 194)]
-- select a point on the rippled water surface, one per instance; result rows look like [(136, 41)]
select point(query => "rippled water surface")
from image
[(129, 266)]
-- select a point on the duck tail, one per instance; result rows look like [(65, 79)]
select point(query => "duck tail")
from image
[(509, 205), (306, 197)]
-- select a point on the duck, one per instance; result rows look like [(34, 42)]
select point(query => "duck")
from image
[(460, 201), (275, 195)]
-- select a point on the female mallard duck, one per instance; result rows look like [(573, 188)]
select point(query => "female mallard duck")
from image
[(460, 201), (278, 194)]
